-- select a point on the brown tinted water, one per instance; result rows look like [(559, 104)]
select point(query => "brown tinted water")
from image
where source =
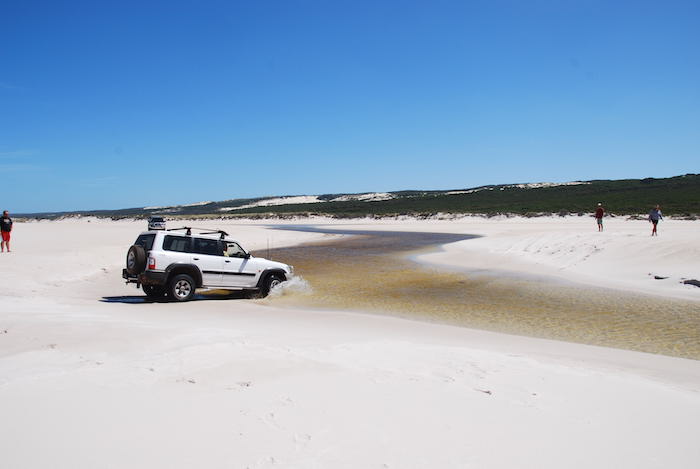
[(372, 272)]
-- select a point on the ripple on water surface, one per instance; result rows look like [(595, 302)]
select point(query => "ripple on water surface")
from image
[(371, 272)]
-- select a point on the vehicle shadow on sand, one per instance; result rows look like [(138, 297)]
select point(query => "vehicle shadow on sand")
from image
[(142, 299)]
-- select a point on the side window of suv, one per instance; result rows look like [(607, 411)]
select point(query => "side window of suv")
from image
[(176, 243), (233, 250), (208, 246)]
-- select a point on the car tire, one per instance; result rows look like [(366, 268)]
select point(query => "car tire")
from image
[(153, 291), (136, 260), (270, 282), (181, 287)]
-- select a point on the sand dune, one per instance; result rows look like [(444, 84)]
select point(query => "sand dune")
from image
[(91, 376)]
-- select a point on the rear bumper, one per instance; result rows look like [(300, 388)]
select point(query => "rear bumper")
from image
[(148, 277), (128, 277)]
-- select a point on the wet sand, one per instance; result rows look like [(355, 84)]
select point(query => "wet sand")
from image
[(373, 272)]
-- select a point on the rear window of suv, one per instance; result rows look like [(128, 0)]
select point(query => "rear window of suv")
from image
[(176, 243), (145, 241)]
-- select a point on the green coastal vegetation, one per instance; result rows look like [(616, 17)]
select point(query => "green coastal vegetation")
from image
[(678, 196)]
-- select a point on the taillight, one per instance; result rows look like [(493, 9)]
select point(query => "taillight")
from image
[(152, 263)]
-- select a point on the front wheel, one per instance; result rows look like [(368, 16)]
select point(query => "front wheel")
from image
[(270, 282), (181, 287)]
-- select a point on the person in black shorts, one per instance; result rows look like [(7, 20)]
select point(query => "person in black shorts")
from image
[(654, 217), (5, 228)]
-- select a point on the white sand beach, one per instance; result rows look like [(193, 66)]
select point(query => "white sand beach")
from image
[(90, 376)]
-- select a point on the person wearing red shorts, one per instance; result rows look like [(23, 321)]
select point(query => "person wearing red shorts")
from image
[(599, 213), (6, 229)]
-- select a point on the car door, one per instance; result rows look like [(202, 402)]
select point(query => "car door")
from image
[(238, 269), (208, 255)]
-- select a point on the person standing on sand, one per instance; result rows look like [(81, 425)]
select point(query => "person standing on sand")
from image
[(5, 228), (654, 217), (599, 212)]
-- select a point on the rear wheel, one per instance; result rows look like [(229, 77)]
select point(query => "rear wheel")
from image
[(181, 288), (153, 291)]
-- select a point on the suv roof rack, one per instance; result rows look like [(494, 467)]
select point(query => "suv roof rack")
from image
[(189, 229), (222, 233)]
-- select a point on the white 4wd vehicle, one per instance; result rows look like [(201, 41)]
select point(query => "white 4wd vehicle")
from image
[(156, 223), (174, 264)]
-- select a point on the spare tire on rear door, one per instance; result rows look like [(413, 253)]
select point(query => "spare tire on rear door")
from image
[(136, 260)]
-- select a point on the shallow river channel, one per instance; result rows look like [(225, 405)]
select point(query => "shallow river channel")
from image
[(372, 271)]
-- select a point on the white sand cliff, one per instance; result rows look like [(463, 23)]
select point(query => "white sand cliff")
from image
[(90, 377)]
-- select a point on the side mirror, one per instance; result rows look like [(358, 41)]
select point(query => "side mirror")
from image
[(247, 255)]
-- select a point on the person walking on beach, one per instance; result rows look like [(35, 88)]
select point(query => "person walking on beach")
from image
[(654, 217), (5, 228), (599, 212)]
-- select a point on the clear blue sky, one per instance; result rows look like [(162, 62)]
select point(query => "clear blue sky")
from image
[(152, 103)]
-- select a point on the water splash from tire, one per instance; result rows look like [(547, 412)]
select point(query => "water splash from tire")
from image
[(295, 285)]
